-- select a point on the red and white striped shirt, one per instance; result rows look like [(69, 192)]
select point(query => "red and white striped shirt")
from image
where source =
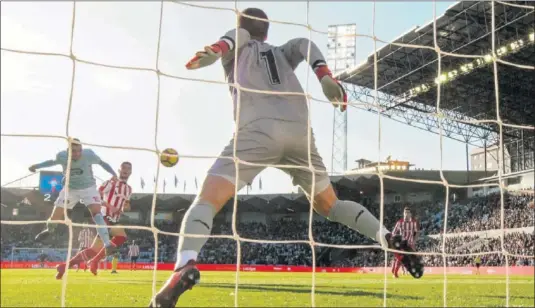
[(85, 238), (407, 229), (115, 193), (133, 250)]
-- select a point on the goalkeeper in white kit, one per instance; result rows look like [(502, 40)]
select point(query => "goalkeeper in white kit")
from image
[(272, 129)]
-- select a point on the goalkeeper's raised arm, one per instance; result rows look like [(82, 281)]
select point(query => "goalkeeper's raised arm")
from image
[(224, 48), (267, 68), (297, 50)]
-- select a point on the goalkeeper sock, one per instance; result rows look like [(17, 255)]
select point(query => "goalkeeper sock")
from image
[(102, 229), (358, 218), (397, 265), (199, 219)]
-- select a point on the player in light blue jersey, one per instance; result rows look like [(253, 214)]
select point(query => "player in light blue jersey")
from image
[(82, 188)]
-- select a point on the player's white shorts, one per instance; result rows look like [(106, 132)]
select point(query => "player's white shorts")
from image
[(273, 142), (85, 196)]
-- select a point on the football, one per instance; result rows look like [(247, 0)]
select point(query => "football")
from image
[(169, 157)]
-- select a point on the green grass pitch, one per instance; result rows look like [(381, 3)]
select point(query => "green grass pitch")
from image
[(38, 288)]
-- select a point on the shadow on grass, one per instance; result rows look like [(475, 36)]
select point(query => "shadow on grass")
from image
[(510, 297), (302, 289), (159, 282), (290, 288)]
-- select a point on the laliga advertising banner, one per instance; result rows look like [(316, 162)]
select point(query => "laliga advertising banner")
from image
[(499, 270)]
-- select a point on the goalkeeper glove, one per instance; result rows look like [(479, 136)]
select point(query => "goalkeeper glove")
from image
[(332, 88), (209, 56)]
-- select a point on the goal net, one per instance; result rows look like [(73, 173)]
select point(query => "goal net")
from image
[(45, 257), (42, 254), (441, 254)]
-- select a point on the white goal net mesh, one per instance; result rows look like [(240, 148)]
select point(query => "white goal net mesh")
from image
[(494, 58)]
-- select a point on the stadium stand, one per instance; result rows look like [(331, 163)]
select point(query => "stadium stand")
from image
[(473, 222)]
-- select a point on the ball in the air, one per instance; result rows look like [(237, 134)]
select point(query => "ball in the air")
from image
[(169, 157)]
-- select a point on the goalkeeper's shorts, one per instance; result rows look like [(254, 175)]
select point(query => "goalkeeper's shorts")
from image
[(273, 142)]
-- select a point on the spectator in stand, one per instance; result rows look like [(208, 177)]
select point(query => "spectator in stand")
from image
[(475, 214), (114, 262), (42, 258), (477, 262), (133, 253)]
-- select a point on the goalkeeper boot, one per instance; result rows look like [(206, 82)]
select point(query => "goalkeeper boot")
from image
[(181, 280), (413, 263)]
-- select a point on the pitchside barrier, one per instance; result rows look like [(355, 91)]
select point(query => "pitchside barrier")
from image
[(485, 270)]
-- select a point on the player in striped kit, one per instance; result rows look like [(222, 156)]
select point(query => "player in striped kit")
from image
[(409, 228), (273, 129), (116, 199), (85, 238)]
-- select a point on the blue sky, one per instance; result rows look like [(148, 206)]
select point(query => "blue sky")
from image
[(118, 107)]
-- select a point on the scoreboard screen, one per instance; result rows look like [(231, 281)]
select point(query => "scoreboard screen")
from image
[(50, 183)]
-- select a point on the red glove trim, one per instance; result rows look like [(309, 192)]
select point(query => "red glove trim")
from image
[(221, 47), (322, 71)]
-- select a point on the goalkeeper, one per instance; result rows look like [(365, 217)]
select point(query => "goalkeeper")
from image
[(272, 129)]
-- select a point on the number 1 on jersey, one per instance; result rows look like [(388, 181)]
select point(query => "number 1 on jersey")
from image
[(269, 59)]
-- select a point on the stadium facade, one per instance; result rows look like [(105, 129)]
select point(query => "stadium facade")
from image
[(31, 204), (408, 75)]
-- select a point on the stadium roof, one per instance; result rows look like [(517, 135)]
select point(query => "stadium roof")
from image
[(368, 184), (467, 92)]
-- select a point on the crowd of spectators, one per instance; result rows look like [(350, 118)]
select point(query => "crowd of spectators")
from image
[(475, 214), (517, 244)]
